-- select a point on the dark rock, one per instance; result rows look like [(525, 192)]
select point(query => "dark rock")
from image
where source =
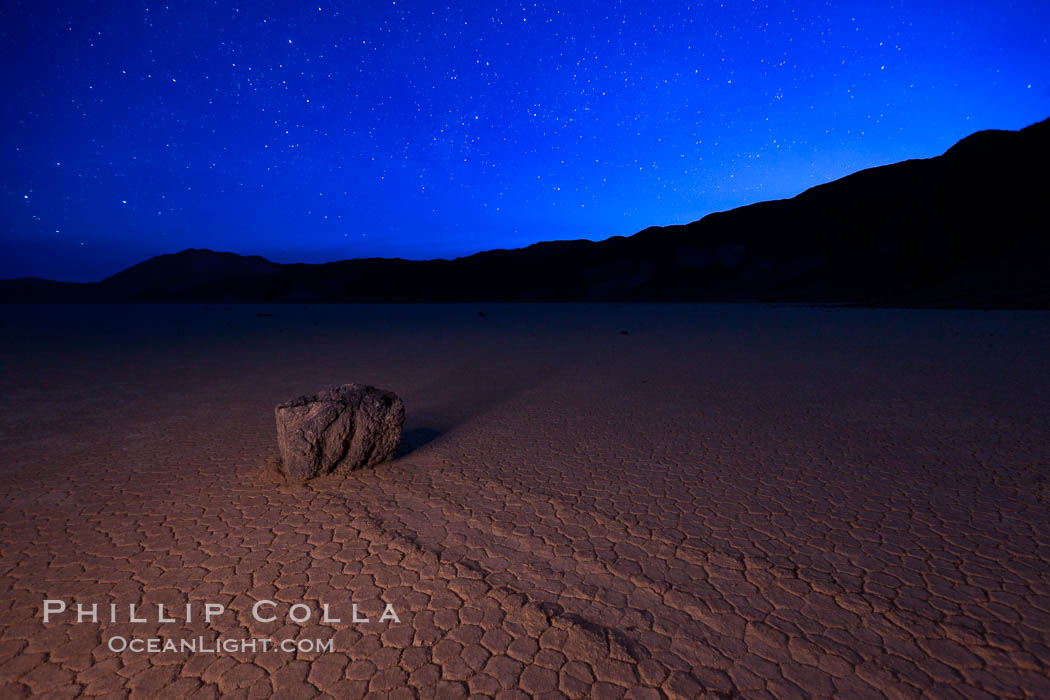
[(344, 427)]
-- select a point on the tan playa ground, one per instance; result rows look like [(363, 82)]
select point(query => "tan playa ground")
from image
[(726, 500)]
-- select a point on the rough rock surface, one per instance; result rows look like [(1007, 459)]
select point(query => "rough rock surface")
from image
[(344, 427)]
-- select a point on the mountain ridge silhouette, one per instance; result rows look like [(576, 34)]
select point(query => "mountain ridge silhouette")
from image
[(965, 228)]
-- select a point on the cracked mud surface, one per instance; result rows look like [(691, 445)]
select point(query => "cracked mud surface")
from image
[(725, 501)]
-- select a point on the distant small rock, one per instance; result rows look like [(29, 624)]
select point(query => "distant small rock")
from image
[(345, 427)]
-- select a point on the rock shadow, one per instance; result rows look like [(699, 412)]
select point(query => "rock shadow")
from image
[(412, 440)]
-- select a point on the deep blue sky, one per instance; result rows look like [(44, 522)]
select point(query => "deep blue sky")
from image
[(311, 132)]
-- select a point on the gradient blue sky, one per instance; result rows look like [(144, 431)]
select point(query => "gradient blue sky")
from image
[(313, 132)]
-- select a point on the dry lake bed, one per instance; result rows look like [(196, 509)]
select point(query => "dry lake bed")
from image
[(591, 501)]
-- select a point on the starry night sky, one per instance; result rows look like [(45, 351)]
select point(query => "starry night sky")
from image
[(313, 132)]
